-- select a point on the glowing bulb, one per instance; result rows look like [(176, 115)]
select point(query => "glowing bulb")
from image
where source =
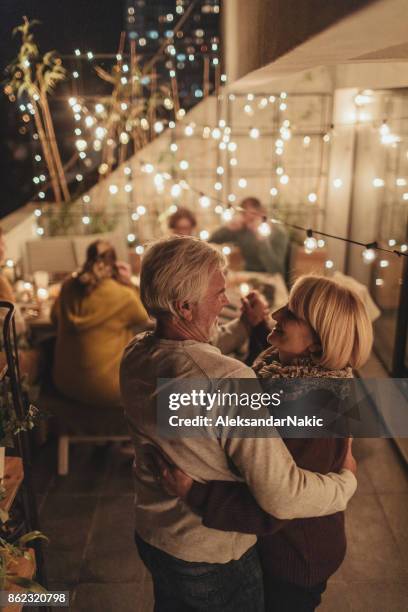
[(312, 197), (204, 201), (128, 188), (37, 212), (310, 244), (232, 197), (175, 190), (264, 229), (148, 168), (274, 192), (226, 250), (86, 220), (141, 210), (40, 231), (232, 146), (242, 183), (227, 214), (139, 250), (400, 182), (329, 264), (100, 133), (379, 282), (89, 121), (404, 248), (72, 101), (220, 170), (131, 237), (233, 161), (254, 133), (99, 108), (392, 242), (216, 133), (320, 243), (184, 164), (189, 130), (81, 144), (113, 189), (306, 141), (77, 108), (378, 182), (86, 198), (284, 179), (158, 127), (204, 235), (337, 183), (368, 255), (218, 186), (384, 263)]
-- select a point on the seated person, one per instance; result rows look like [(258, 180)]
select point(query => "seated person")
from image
[(182, 223), (95, 314), (261, 253)]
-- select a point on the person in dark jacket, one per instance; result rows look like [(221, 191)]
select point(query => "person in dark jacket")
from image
[(321, 334), (262, 252)]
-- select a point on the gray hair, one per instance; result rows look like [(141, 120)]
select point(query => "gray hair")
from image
[(176, 268)]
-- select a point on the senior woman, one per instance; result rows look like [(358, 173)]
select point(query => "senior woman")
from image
[(193, 567), (95, 315)]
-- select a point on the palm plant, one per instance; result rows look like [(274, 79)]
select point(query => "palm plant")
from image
[(36, 76), (10, 555)]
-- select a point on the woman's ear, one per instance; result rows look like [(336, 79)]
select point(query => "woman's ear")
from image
[(184, 310)]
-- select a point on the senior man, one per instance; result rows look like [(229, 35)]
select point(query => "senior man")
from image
[(194, 567)]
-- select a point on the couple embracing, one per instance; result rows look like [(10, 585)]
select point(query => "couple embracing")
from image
[(196, 529)]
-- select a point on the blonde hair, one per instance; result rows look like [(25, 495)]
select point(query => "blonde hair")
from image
[(339, 318), (175, 269)]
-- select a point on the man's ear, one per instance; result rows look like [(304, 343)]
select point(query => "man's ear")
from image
[(184, 310)]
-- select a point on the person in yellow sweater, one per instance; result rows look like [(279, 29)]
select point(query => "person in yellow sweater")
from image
[(95, 316)]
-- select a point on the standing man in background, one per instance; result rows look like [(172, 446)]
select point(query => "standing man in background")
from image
[(261, 253)]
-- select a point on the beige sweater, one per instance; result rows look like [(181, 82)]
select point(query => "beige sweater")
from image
[(280, 487)]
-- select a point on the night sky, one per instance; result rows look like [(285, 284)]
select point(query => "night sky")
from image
[(66, 24)]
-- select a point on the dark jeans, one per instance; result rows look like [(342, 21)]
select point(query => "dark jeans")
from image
[(286, 597), (182, 586)]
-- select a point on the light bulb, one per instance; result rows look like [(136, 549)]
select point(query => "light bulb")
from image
[(141, 210), (139, 250), (384, 263), (175, 190), (204, 201), (337, 183), (113, 189), (242, 183), (329, 264), (254, 133), (184, 164), (284, 179), (226, 250), (312, 197), (204, 235), (149, 168), (378, 182), (264, 229), (158, 127), (310, 244), (369, 255), (131, 237)]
